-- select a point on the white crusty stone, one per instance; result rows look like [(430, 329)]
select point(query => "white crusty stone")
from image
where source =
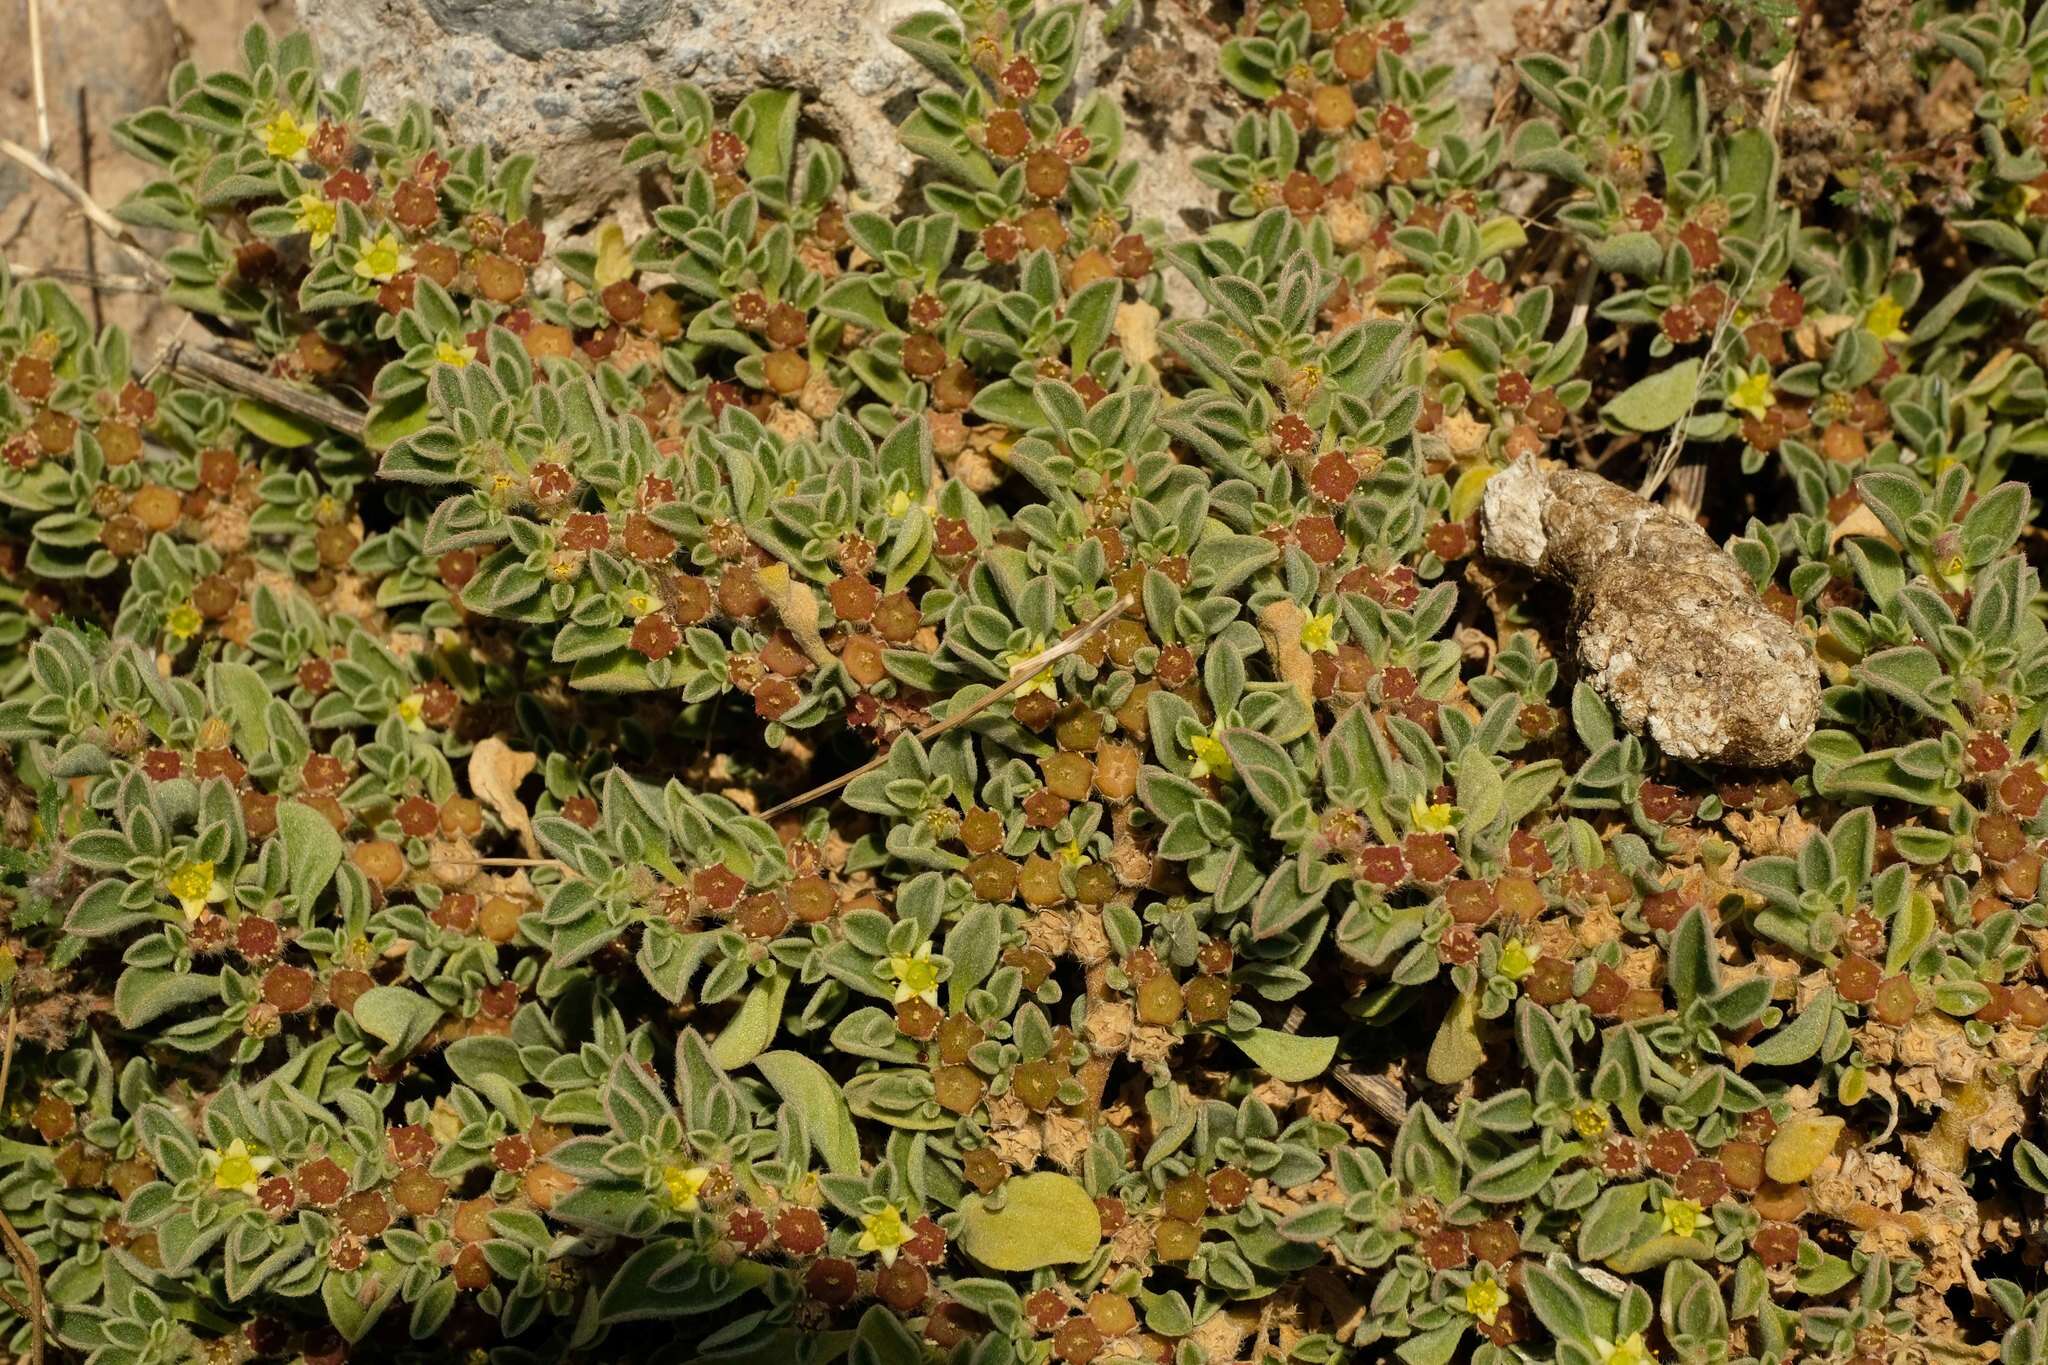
[(1668, 628)]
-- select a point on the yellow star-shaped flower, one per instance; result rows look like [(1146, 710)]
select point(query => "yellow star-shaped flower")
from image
[(1319, 635), (284, 137), (382, 259), (1883, 318), (1432, 817), (1590, 1120), (315, 217), (917, 976), (237, 1168), (448, 353), (1753, 395), (1211, 759), (183, 621), (683, 1184), (1682, 1217), (1484, 1299), (1517, 959), (1041, 682), (1629, 1351), (884, 1233), (412, 709), (195, 888)]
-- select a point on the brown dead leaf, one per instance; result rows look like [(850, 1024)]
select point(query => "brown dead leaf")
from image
[(797, 606), (1137, 332), (495, 771), (1861, 521), (1464, 433), (1280, 623), (1109, 1026)]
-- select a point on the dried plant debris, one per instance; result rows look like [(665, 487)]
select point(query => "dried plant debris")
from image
[(1668, 628), (806, 782)]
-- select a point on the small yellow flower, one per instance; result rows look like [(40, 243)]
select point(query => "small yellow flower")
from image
[(1484, 1299), (917, 976), (1041, 683), (1753, 395), (284, 137), (639, 604), (1631, 1351), (683, 1183), (183, 621), (237, 1168), (1428, 817), (1682, 1217), (382, 259), (315, 218), (1590, 1120), (1882, 321), (1016, 657), (412, 710), (1517, 959), (195, 888), (1071, 855), (1211, 759), (445, 1123), (884, 1232), (899, 505), (1318, 636), (448, 353), (192, 881)]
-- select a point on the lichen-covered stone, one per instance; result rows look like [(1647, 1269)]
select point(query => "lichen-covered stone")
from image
[(1668, 628)]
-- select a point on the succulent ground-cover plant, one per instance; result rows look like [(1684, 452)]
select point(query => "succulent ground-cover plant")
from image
[(954, 782)]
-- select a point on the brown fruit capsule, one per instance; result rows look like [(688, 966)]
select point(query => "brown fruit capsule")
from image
[(499, 279)]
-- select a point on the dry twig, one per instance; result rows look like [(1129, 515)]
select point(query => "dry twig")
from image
[(229, 374), (508, 862), (35, 57), (1020, 675), (97, 216), (1376, 1093), (98, 281)]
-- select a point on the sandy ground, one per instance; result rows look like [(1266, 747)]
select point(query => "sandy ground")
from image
[(101, 61)]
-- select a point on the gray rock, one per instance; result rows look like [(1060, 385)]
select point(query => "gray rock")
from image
[(534, 28), (560, 78)]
